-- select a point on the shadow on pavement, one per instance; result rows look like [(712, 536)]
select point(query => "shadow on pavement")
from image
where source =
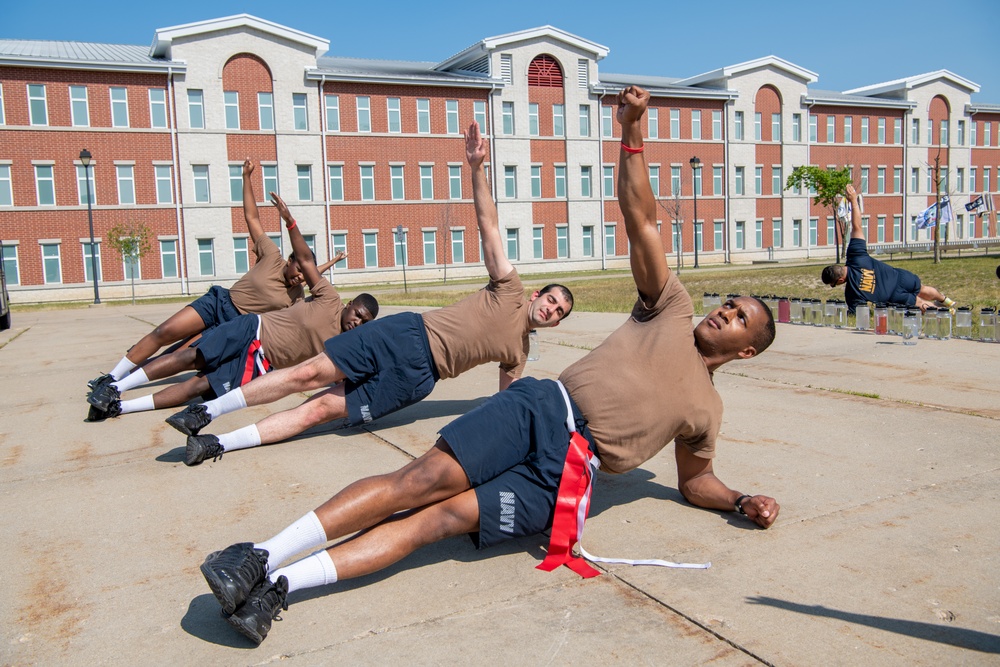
[(204, 621)]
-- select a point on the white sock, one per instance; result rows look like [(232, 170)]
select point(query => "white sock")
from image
[(241, 438), (140, 404), (122, 369), (315, 570), (228, 402), (131, 381), (306, 533)]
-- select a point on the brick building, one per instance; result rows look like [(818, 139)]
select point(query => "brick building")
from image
[(369, 155)]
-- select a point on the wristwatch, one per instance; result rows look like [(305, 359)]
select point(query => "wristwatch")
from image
[(739, 504)]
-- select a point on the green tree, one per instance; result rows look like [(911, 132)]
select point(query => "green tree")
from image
[(132, 240), (828, 185)]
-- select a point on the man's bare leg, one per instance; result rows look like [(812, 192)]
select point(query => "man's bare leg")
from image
[(185, 323), (929, 293)]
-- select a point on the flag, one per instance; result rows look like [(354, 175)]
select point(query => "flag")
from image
[(946, 215), (975, 204), (843, 213), (988, 208), (927, 218)]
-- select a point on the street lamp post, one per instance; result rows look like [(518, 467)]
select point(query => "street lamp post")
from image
[(696, 171), (85, 159)]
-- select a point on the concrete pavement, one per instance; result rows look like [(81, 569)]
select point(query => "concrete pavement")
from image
[(885, 459)]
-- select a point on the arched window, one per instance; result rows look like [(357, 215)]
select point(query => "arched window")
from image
[(544, 72)]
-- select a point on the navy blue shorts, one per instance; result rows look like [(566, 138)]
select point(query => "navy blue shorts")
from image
[(215, 307), (388, 366), (513, 449), (907, 288), (225, 350)]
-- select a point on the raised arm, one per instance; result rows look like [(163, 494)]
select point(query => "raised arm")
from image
[(856, 231), (324, 267), (302, 252), (635, 198), (497, 264), (698, 484), (250, 213)]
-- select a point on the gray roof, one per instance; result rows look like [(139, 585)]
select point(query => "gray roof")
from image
[(843, 99), (405, 71), (80, 54), (658, 86)]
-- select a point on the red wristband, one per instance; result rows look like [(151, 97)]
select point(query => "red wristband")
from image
[(290, 225), (629, 149)]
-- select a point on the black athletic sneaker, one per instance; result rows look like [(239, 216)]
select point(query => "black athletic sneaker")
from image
[(191, 419), (95, 414), (201, 447), (98, 381), (103, 395), (253, 619), (234, 572)]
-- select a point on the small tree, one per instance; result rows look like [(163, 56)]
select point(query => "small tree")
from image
[(133, 241), (829, 185), (673, 209)]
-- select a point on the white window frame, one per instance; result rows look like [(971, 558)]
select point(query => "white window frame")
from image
[(303, 182), (231, 109), (265, 110), (74, 105), (117, 106), (335, 175), (423, 115), (83, 175), (426, 182), (454, 181), (172, 252), (200, 177), (160, 180), (58, 261), (196, 103), (32, 99), (364, 113), (331, 104), (397, 182), (206, 251), (367, 175), (300, 112), (49, 179), (395, 118), (451, 116), (158, 106)]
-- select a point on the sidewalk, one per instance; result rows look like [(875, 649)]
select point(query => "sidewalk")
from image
[(885, 552)]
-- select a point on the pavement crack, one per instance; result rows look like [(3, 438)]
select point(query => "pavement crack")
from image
[(14, 337)]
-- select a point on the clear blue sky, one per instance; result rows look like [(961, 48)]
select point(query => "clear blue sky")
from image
[(850, 43)]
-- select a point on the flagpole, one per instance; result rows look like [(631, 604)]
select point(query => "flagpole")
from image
[(937, 205)]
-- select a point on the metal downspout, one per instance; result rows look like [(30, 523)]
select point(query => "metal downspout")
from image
[(181, 246)]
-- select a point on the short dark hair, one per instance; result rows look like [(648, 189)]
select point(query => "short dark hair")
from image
[(369, 303), (763, 338), (292, 256), (831, 275), (565, 292)]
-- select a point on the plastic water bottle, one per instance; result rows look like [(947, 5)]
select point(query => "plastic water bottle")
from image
[(911, 328), (987, 324), (795, 310), (881, 319), (784, 310), (862, 318), (534, 350), (943, 323), (963, 323)]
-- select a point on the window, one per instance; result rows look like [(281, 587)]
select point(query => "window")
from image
[(241, 255), (776, 127), (38, 111), (336, 174), (931, 187), (831, 129), (986, 181), (196, 109), (364, 113), (265, 110), (270, 174), (206, 257), (86, 191), (2, 121), (560, 181), (652, 123), (930, 132), (168, 258), (654, 179), (897, 179), (864, 130), (454, 181), (675, 180), (424, 116), (510, 182), (797, 233), (79, 110), (371, 249), (880, 176), (338, 242), (758, 234), (512, 245), (276, 238), (458, 246), (881, 131), (717, 235), (532, 119), (6, 189), (231, 103), (303, 179), (944, 133), (915, 134), (45, 185), (987, 128), (796, 127), (587, 233), (396, 186), (367, 182), (479, 114), (558, 120), (562, 241), (696, 123), (300, 112), (235, 183), (609, 240), (738, 125), (451, 118), (831, 234), (813, 231), (696, 180), (164, 184), (609, 181), (897, 130), (864, 226), (51, 264), (717, 125), (739, 181), (914, 180), (740, 235), (812, 129), (607, 125), (864, 180), (676, 240), (758, 177), (536, 181), (88, 261), (897, 228), (430, 244), (332, 103), (426, 181), (698, 235), (10, 265), (201, 190), (776, 233), (757, 122), (585, 119), (776, 180), (537, 245), (880, 229), (507, 117), (960, 139), (586, 179), (675, 122), (972, 132)]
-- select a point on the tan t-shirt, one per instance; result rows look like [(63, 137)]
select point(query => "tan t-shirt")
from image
[(294, 334), (490, 325), (646, 385), (262, 288)]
